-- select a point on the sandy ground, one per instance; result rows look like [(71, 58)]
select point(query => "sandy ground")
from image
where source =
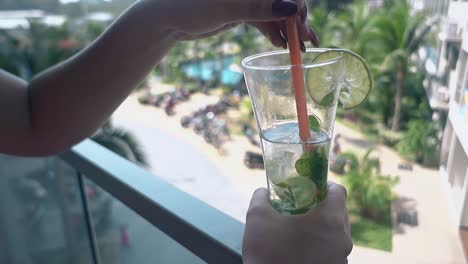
[(434, 240)]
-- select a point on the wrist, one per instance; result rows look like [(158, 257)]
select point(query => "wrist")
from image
[(158, 18)]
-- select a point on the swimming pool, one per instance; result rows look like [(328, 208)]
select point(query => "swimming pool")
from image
[(224, 68)]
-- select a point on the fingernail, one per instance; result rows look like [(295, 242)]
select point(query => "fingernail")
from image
[(283, 8)]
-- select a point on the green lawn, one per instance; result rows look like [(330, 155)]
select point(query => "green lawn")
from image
[(368, 233)]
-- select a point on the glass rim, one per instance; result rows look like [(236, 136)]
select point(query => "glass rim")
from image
[(247, 66)]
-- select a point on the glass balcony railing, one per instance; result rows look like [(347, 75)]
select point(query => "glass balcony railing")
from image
[(89, 205)]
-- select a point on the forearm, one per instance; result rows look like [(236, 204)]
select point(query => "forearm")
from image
[(70, 101)]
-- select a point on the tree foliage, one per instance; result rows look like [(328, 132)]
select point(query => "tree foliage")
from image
[(419, 141), (121, 142), (370, 192), (26, 52)]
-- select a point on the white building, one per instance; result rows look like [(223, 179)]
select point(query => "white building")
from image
[(447, 91), (13, 19)]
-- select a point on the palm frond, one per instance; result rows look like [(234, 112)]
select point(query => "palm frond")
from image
[(384, 32), (394, 57), (121, 142), (420, 36), (132, 142), (413, 25)]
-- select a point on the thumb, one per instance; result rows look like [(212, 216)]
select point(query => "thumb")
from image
[(262, 10), (260, 198)]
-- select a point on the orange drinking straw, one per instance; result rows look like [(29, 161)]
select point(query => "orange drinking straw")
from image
[(298, 79)]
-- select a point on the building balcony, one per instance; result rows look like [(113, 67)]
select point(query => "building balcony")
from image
[(437, 94), (449, 31), (436, 86), (460, 125), (453, 23), (89, 205)]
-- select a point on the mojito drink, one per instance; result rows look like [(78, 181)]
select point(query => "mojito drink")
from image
[(297, 171), (297, 165)]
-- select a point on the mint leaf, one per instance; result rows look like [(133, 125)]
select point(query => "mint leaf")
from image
[(328, 99), (281, 184), (303, 166), (314, 165), (314, 123)]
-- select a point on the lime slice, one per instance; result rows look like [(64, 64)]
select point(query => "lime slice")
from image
[(352, 73), (296, 193)]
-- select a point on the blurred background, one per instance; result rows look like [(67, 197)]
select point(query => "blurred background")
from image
[(403, 154)]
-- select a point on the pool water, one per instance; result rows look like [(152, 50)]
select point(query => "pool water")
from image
[(207, 70)]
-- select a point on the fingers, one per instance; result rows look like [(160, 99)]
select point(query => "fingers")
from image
[(306, 33), (260, 204), (303, 14), (314, 38), (260, 198), (258, 10), (273, 32), (259, 16), (335, 201), (336, 193)]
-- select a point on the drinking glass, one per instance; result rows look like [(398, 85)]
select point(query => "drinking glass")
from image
[(296, 169)]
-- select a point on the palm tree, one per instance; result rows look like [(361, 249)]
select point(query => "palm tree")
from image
[(120, 142), (13, 46), (351, 28), (400, 34)]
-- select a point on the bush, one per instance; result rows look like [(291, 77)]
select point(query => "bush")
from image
[(338, 164), (419, 141), (225, 90), (390, 138), (370, 192)]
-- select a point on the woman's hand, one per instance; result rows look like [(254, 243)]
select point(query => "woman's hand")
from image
[(319, 236), (196, 19)]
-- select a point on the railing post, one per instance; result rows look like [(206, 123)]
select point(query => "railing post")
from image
[(88, 220)]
